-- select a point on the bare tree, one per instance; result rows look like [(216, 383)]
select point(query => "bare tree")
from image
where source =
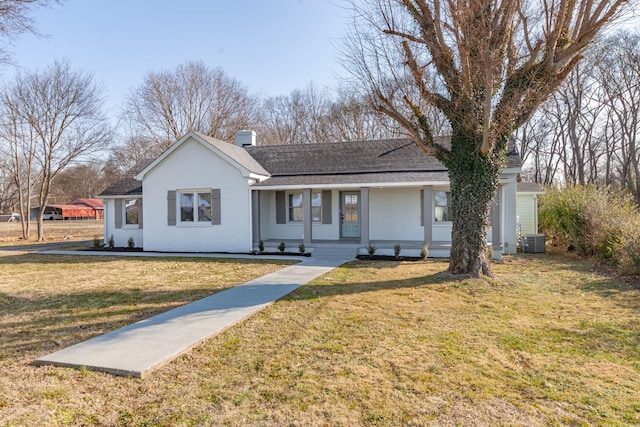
[(168, 104), (16, 17), (298, 118), (61, 112), (493, 63), (315, 115), (618, 74), (19, 148), (80, 181), (587, 131), (353, 118)]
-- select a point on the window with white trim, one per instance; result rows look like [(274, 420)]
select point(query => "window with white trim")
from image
[(195, 206), (131, 211), (442, 203), (295, 207)]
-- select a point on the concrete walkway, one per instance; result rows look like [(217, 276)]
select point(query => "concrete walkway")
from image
[(138, 348)]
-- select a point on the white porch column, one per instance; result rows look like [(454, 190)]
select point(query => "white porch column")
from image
[(307, 221), (427, 213), (364, 216), (509, 226), (255, 216), (496, 223)]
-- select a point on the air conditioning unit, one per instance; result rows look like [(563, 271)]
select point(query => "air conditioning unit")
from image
[(534, 244)]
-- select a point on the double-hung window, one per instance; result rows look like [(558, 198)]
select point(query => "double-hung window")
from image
[(132, 211), (195, 207), (442, 203), (295, 207)]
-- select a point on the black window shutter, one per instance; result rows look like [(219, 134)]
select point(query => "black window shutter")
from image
[(281, 208)]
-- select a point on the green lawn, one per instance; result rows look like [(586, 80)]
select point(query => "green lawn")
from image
[(551, 341)]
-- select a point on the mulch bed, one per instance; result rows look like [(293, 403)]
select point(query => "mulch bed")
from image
[(388, 258)]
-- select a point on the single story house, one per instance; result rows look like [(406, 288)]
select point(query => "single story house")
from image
[(206, 195)]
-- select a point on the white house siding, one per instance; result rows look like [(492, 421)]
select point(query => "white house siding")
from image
[(394, 214), (527, 213), (120, 235), (295, 230), (195, 167)]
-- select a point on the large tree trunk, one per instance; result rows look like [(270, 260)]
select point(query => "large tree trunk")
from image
[(474, 180)]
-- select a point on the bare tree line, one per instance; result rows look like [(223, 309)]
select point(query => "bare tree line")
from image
[(195, 97), (586, 133)]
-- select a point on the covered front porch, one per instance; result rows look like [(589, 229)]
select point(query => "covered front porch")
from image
[(356, 217)]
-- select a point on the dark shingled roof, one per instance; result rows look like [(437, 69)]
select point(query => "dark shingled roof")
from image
[(128, 185), (398, 160), (359, 162), (399, 155)]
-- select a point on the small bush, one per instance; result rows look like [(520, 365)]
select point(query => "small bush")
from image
[(301, 248), (97, 242), (490, 251), (593, 222), (371, 249), (131, 243), (111, 242), (282, 246), (260, 245), (396, 250), (627, 248), (424, 252)]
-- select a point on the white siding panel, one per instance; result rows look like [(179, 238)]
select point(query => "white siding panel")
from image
[(120, 235), (194, 167), (395, 214), (526, 211)]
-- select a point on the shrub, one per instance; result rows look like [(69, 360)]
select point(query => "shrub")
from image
[(282, 246), (301, 248), (97, 242), (371, 248), (131, 243), (396, 250), (424, 252), (594, 222), (111, 242), (260, 245), (627, 248)]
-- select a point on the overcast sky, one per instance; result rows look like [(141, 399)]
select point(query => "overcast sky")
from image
[(271, 46)]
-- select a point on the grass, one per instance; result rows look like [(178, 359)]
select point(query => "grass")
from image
[(552, 341), (11, 232)]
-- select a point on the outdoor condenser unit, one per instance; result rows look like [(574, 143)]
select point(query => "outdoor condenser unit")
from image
[(534, 243)]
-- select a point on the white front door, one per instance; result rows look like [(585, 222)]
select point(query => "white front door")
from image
[(350, 214)]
